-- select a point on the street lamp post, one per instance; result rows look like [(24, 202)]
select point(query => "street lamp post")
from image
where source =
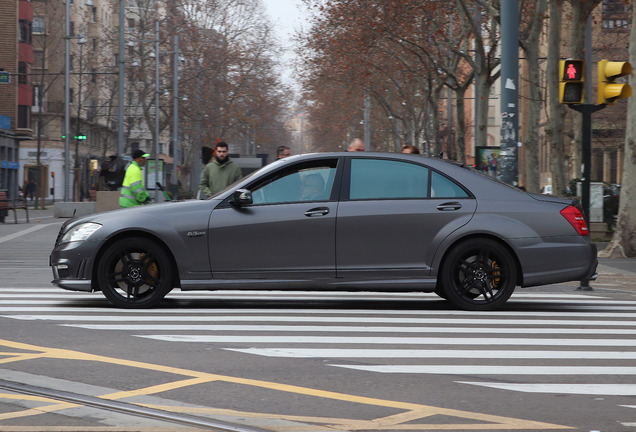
[(121, 78), (156, 110), (67, 97), (175, 120)]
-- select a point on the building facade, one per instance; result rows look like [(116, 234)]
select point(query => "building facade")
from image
[(16, 93)]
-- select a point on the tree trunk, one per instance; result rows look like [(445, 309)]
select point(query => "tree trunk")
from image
[(623, 242), (556, 110), (460, 139), (530, 45)]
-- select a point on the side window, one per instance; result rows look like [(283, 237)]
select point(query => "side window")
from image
[(443, 187), (382, 179), (300, 183)]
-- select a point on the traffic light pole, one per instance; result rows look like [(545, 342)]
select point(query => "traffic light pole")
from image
[(586, 156), (586, 152)]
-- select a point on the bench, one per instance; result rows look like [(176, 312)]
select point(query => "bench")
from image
[(6, 204)]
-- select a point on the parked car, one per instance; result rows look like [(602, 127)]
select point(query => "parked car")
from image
[(334, 222)]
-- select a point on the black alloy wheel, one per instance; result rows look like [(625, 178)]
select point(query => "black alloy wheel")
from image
[(479, 274), (135, 273)]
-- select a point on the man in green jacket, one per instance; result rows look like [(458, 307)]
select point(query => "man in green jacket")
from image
[(220, 172), (133, 191)]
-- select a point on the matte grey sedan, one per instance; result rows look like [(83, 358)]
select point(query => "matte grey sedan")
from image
[(334, 222)]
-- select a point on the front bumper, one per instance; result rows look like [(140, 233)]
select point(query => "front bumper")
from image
[(72, 266)]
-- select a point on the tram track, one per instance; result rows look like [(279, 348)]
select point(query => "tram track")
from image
[(126, 408)]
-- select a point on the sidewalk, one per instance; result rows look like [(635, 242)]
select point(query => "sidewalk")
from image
[(35, 216), (614, 273)]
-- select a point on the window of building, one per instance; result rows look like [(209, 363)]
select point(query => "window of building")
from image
[(24, 117), (25, 31), (39, 130), (23, 73), (614, 6), (39, 25), (615, 24), (38, 60), (94, 14), (38, 98)]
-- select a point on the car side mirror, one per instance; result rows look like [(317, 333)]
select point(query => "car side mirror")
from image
[(241, 198)]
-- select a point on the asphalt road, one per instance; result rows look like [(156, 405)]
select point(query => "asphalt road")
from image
[(555, 358)]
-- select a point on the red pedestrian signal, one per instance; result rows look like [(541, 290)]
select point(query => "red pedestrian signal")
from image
[(571, 80)]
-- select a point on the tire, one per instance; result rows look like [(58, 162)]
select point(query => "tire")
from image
[(478, 275), (135, 273)]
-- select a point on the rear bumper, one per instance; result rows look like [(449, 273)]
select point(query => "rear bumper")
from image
[(572, 259)]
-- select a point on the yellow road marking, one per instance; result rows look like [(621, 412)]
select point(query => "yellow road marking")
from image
[(411, 412)]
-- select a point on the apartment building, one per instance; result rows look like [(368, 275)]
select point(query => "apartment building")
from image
[(93, 100), (16, 58)]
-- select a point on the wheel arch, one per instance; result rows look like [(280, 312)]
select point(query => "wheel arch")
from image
[(134, 233), (487, 236)]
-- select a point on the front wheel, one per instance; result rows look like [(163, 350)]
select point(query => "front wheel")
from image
[(135, 273), (478, 274)]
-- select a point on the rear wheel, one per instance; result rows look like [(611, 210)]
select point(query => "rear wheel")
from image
[(478, 274), (135, 273)]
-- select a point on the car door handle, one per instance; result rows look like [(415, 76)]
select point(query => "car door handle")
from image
[(320, 211), (449, 206)]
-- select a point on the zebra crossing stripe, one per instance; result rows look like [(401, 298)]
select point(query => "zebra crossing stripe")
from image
[(350, 329), (427, 353), (562, 388), (493, 370), (331, 319), (236, 339)]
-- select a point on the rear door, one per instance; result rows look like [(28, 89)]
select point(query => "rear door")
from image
[(392, 217)]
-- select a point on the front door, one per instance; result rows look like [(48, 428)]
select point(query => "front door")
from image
[(287, 233)]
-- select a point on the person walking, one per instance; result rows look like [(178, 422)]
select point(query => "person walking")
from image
[(133, 191), (30, 189), (220, 172)]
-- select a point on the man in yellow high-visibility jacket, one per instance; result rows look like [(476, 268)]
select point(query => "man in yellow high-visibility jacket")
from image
[(133, 190)]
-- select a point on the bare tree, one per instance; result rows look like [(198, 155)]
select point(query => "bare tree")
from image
[(529, 35), (623, 243), (556, 111)]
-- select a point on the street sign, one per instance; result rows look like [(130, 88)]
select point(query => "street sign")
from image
[(5, 77)]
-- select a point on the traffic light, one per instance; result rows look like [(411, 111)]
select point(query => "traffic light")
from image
[(609, 90), (53, 174), (571, 77), (80, 137)]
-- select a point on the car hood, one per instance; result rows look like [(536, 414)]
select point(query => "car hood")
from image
[(135, 216)]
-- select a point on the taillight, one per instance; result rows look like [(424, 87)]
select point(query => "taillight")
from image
[(576, 219)]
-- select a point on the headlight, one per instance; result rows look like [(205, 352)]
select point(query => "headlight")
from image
[(80, 232)]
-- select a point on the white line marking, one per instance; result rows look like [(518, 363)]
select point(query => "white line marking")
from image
[(23, 232), (325, 319), (454, 354), (237, 339), (345, 329), (565, 388), (494, 370)]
